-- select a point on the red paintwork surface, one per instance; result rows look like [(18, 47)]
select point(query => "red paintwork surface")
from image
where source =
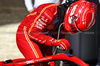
[(20, 62)]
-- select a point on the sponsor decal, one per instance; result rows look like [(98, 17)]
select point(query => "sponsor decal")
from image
[(56, 21)]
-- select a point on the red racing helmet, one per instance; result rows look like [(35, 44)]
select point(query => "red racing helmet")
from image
[(80, 16)]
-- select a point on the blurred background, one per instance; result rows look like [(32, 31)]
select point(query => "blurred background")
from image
[(12, 12), (85, 45)]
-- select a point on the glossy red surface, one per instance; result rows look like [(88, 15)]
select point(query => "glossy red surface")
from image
[(80, 16)]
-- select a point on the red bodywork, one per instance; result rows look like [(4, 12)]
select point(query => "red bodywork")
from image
[(20, 62), (84, 13)]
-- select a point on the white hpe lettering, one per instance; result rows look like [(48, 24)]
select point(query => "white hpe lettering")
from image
[(45, 20), (44, 59), (30, 62), (38, 27), (41, 23)]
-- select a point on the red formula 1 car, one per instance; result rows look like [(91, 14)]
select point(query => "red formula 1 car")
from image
[(63, 57)]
